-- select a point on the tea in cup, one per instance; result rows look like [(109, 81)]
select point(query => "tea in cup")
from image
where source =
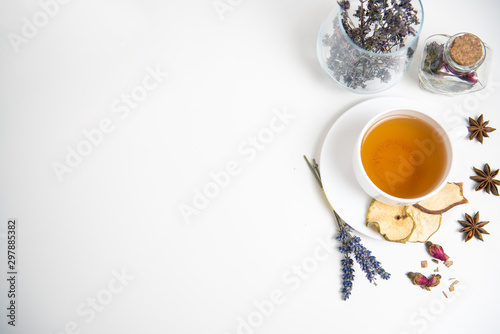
[(402, 157)]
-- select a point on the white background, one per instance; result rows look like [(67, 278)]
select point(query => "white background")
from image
[(118, 211)]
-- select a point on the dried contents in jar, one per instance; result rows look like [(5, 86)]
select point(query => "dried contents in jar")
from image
[(454, 64)]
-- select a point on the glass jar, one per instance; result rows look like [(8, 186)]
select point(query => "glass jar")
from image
[(455, 64), (359, 70)]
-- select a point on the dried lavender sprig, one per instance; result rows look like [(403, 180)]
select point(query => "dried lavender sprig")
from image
[(347, 276), (367, 262), (351, 245), (346, 262)]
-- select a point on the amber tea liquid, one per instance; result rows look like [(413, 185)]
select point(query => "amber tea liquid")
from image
[(404, 156)]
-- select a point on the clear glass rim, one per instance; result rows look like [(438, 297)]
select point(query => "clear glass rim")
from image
[(357, 47)]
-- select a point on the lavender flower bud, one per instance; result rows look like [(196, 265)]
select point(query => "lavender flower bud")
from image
[(418, 279), (436, 251), (344, 5), (433, 281)]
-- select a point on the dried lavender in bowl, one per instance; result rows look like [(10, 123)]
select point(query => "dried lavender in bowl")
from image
[(368, 46)]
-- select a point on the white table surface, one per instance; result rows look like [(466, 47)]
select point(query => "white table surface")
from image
[(106, 249)]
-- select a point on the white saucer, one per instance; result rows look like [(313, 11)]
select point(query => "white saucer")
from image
[(337, 175)]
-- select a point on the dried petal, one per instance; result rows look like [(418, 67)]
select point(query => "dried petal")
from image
[(481, 224), (480, 172), (417, 279), (433, 281), (464, 223), (482, 230), (494, 173), (494, 189), (487, 169), (436, 251)]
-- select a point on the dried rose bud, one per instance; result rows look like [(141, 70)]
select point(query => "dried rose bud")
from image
[(417, 279), (436, 251), (433, 281)]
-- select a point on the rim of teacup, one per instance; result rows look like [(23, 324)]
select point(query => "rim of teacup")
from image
[(383, 196)]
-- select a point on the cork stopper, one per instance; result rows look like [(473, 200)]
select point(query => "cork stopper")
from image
[(466, 49)]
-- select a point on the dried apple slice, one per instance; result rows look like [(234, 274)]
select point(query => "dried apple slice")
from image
[(451, 195), (426, 224), (391, 221)]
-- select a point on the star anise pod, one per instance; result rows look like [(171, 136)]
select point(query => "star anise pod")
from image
[(486, 180), (479, 129), (473, 227)]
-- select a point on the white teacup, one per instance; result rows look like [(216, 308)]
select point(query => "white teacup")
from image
[(412, 164)]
